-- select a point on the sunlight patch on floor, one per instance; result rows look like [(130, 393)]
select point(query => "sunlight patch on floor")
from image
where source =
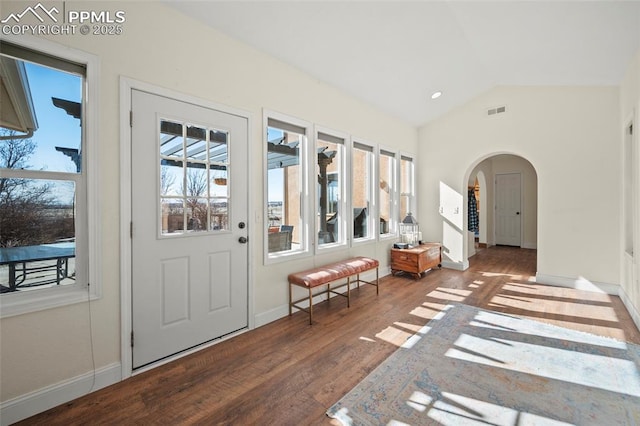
[(448, 295), (571, 366), (590, 312), (413, 327), (460, 409), (394, 336)]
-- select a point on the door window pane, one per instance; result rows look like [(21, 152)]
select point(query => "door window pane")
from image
[(172, 215), (219, 209), (193, 172)]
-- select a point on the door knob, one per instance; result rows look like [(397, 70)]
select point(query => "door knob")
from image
[(242, 240), (517, 212)]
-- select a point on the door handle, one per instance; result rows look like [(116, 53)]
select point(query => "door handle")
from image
[(242, 240), (517, 212)]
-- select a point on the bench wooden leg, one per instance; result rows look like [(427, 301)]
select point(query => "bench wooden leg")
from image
[(290, 299), (377, 283), (348, 292), (310, 307)]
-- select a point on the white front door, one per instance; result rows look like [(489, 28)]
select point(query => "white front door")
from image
[(189, 215), (508, 209)]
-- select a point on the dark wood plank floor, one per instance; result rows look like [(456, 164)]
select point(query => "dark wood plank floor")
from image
[(289, 373)]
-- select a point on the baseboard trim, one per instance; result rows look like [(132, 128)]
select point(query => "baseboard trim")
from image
[(271, 315), (24, 406), (578, 283), (458, 266), (532, 246), (633, 312), (282, 311)]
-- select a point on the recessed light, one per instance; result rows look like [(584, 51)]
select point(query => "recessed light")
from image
[(436, 95)]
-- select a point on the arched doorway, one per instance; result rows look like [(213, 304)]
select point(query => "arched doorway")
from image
[(484, 177)]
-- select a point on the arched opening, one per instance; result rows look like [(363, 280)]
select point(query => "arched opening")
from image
[(502, 203)]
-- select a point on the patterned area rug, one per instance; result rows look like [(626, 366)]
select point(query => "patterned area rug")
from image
[(470, 366)]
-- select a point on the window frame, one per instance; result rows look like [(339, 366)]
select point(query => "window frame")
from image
[(394, 192), (411, 194), (88, 235), (373, 217), (343, 203), (306, 172)]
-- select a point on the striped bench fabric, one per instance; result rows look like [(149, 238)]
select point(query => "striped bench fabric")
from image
[(327, 274)]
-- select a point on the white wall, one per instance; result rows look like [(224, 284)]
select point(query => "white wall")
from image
[(571, 137), (630, 112), (161, 47)]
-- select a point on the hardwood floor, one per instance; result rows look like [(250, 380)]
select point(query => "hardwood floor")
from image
[(289, 373)]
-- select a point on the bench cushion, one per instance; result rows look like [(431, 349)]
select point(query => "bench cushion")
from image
[(331, 272)]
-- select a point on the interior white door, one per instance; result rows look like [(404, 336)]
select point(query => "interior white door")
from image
[(189, 214), (508, 209)]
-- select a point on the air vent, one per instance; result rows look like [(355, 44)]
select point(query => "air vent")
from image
[(497, 110)]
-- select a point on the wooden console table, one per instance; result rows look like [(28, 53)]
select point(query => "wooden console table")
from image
[(416, 260)]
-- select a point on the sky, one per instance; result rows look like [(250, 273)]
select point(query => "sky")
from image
[(55, 127)]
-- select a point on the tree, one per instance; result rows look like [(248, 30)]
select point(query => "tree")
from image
[(26, 205), (196, 188)]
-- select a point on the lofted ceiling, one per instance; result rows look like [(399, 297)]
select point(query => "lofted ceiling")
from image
[(395, 54)]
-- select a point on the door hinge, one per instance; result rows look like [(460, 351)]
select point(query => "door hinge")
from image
[(130, 118), (131, 338), (131, 229)]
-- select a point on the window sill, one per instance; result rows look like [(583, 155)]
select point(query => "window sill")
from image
[(13, 304)]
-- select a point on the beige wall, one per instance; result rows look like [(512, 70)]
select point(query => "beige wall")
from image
[(571, 137), (161, 47)]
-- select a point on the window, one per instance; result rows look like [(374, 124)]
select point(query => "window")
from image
[(46, 244), (386, 199), (330, 166), (320, 193), (286, 186), (407, 195), (193, 179), (362, 201)]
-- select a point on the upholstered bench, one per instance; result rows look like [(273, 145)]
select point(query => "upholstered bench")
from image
[(327, 274)]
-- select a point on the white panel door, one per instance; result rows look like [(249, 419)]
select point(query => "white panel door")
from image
[(189, 214), (508, 209)]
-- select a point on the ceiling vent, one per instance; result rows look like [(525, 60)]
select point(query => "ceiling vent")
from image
[(497, 110)]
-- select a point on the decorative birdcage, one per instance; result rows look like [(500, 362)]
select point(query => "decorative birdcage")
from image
[(409, 230)]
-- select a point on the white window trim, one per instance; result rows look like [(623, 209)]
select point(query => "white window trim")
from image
[(306, 212), (344, 204), (394, 193), (413, 206), (38, 300), (374, 213)]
